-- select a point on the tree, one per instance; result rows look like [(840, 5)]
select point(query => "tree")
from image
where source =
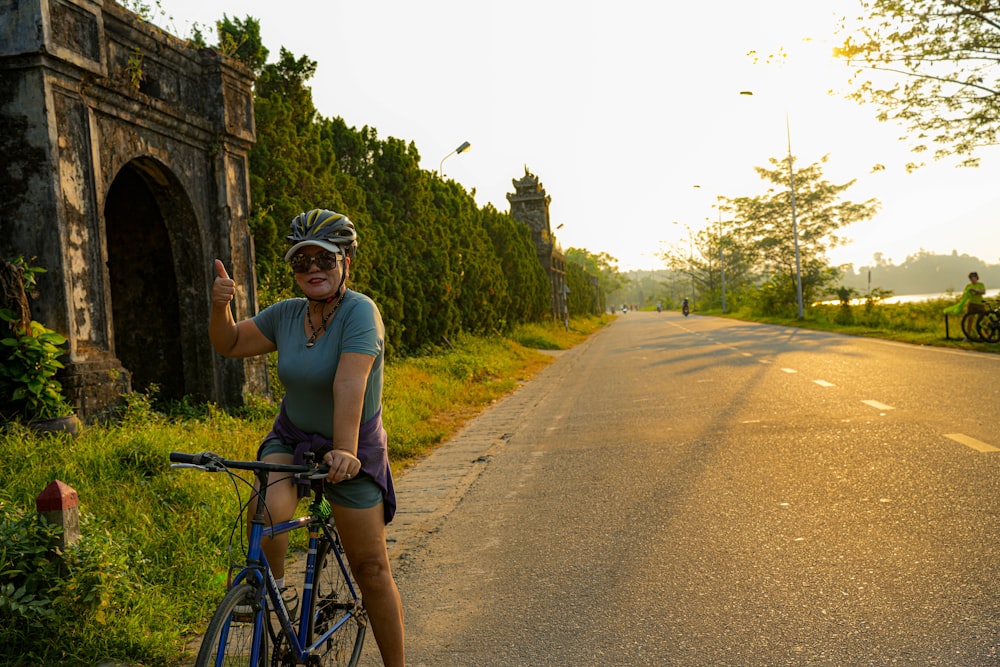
[(690, 263), (241, 40), (764, 223), (602, 266), (947, 52), (436, 263), (528, 298), (716, 256)]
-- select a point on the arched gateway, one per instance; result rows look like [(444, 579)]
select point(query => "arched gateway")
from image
[(125, 174)]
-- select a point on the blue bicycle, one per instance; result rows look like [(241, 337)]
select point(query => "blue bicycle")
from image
[(254, 624)]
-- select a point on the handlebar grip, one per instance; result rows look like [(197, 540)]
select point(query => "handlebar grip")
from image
[(194, 459)]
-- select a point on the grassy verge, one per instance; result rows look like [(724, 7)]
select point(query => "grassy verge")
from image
[(915, 323), (152, 561)]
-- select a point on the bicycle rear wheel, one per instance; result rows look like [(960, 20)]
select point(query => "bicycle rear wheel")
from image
[(989, 327), (230, 634), (333, 602)]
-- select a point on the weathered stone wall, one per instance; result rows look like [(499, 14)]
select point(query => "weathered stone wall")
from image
[(125, 174)]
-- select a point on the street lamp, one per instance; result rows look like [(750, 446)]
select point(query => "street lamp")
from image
[(690, 259), (795, 229), (722, 258), (461, 149)]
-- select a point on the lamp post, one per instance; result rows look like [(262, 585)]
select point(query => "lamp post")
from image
[(722, 258), (795, 229), (690, 259), (461, 149)]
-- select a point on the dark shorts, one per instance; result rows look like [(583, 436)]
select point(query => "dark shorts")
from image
[(359, 493)]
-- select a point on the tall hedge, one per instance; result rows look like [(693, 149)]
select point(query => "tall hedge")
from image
[(435, 262)]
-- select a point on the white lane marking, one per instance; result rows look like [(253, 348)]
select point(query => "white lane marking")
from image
[(764, 361), (789, 370), (977, 445), (746, 354), (878, 406), (824, 383)]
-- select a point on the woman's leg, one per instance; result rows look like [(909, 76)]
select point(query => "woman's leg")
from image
[(282, 499), (363, 534)]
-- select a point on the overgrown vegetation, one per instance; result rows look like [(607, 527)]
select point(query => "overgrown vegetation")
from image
[(919, 323), (29, 351), (152, 561)]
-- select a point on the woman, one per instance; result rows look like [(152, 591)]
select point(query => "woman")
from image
[(330, 353)]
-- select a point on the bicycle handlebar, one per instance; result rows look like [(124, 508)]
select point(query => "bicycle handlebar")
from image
[(211, 462)]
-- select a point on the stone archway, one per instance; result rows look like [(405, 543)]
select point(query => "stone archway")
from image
[(144, 304), (125, 175)]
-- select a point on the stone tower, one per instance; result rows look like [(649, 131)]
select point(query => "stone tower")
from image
[(124, 175), (529, 204)]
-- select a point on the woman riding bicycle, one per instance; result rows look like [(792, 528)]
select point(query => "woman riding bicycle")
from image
[(330, 349)]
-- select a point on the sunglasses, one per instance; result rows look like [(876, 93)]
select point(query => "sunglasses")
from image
[(300, 262)]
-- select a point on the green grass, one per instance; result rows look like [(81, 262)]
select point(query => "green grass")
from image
[(920, 323), (555, 337), (152, 561)]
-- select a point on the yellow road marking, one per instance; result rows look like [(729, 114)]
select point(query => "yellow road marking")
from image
[(977, 445)]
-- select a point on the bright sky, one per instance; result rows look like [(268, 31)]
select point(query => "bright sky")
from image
[(620, 108)]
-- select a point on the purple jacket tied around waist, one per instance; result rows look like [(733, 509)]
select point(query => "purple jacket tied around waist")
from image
[(372, 452)]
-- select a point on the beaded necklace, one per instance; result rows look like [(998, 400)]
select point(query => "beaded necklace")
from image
[(316, 331)]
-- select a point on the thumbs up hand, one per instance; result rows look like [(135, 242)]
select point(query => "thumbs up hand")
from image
[(224, 287)]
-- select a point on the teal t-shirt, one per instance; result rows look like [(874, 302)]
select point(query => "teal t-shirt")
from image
[(308, 372)]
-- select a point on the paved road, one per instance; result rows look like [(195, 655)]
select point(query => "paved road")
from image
[(701, 491)]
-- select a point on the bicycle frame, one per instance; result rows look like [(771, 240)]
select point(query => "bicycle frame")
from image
[(257, 573)]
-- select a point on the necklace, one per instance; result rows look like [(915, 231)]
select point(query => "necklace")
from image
[(316, 331)]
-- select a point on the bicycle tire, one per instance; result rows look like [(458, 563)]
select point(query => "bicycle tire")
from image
[(239, 633), (970, 327), (988, 327), (331, 602)]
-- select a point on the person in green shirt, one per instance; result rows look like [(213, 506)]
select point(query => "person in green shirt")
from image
[(973, 295), (331, 347)]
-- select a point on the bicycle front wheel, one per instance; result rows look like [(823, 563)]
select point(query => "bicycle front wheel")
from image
[(970, 327), (989, 327), (332, 603), (229, 638)]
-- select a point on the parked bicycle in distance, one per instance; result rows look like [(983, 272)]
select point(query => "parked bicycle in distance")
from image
[(253, 625), (983, 326)]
